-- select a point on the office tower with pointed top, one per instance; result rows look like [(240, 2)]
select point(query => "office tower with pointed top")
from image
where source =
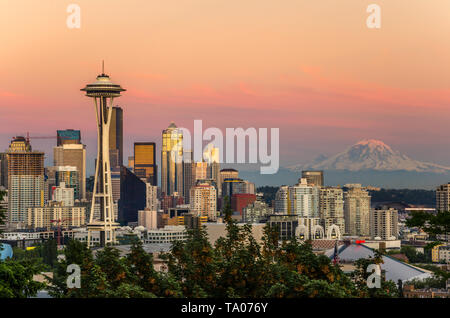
[(103, 91), (171, 160)]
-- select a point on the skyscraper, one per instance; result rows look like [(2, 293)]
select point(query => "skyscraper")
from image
[(116, 137), (25, 180), (73, 155), (313, 177), (145, 162), (204, 201), (281, 204), (443, 197), (68, 137), (384, 223), (356, 210), (103, 91), (132, 196), (331, 208), (171, 160), (304, 199)]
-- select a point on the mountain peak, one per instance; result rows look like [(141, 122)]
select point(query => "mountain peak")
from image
[(372, 143), (371, 154)]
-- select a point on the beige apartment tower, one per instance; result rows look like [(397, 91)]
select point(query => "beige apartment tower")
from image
[(384, 224), (443, 197), (357, 210)]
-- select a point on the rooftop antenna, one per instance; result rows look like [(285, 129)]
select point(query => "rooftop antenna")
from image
[(103, 66)]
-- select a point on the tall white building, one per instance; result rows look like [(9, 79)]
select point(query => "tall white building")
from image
[(331, 208), (148, 218), (357, 210), (151, 197), (203, 201), (281, 200), (384, 224), (304, 200)]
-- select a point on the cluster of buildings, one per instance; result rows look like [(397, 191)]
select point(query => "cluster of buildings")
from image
[(314, 211)]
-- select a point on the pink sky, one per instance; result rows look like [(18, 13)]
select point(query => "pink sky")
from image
[(311, 68)]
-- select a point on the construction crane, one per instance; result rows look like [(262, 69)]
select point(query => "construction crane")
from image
[(60, 221), (28, 137)]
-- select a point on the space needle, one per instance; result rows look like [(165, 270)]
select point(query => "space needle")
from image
[(103, 91)]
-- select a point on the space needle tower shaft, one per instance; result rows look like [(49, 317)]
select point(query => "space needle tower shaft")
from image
[(103, 91)]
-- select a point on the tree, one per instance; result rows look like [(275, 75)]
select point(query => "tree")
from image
[(16, 276), (433, 224), (49, 252)]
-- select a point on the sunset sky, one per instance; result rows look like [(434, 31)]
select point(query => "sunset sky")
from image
[(311, 68)]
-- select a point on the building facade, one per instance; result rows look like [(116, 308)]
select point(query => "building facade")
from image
[(204, 201), (443, 197), (73, 155), (357, 210), (384, 224), (171, 160), (331, 208), (314, 178), (25, 180), (145, 162)]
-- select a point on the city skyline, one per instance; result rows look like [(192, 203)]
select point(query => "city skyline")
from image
[(323, 94)]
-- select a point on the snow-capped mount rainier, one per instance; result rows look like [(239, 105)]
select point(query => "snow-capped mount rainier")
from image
[(370, 154)]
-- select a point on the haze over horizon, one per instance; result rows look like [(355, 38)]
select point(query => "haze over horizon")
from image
[(312, 69)]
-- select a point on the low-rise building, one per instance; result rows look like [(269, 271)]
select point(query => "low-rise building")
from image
[(168, 234)]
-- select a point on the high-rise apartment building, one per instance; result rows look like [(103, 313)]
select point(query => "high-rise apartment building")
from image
[(281, 201), (356, 210), (443, 197), (116, 137), (145, 162), (148, 219), (204, 201), (67, 137), (171, 160), (151, 197), (313, 177), (384, 224), (73, 155), (304, 200), (331, 208), (25, 180)]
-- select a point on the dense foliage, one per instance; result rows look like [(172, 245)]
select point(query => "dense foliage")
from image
[(16, 277), (236, 266), (409, 196)]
